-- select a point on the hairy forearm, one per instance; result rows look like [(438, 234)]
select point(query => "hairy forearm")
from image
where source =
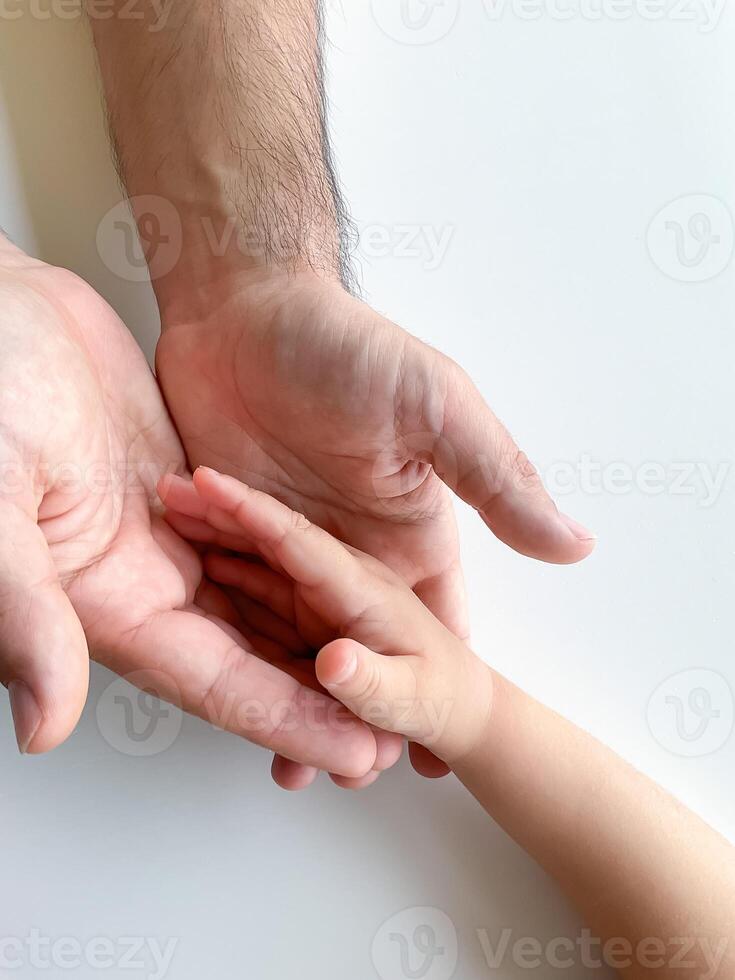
[(217, 106), (639, 866)]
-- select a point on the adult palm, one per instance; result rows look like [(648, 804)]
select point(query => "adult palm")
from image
[(299, 389), (84, 438)]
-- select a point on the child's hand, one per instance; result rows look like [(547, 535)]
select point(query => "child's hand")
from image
[(381, 652), (610, 837)]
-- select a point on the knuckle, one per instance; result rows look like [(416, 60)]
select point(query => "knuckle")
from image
[(368, 683), (298, 522), (520, 471), (292, 713), (218, 692)]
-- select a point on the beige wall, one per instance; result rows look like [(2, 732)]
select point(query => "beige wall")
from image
[(57, 179)]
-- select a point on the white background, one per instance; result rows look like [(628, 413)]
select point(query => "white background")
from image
[(544, 148)]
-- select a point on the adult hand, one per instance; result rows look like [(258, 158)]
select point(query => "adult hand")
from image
[(273, 372), (299, 389), (84, 438)]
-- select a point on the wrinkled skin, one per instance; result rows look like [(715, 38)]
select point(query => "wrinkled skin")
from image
[(84, 438), (299, 389)]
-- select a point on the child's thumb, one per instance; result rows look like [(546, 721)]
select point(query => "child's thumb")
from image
[(382, 690)]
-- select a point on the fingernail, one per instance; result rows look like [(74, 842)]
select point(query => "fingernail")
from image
[(578, 530), (348, 669), (26, 713)]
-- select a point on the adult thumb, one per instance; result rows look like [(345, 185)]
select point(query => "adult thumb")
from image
[(476, 456), (44, 662)]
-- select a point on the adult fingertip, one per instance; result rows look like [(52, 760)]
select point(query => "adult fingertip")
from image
[(576, 543), (580, 532), (361, 759), (361, 782), (546, 535), (292, 776), (389, 749), (426, 763), (27, 714)]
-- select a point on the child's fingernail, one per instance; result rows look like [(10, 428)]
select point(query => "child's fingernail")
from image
[(578, 530), (348, 669)]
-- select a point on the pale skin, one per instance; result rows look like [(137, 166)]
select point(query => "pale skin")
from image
[(652, 880), (87, 564), (272, 370)]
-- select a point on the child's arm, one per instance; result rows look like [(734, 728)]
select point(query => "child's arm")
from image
[(650, 877), (639, 865), (643, 870)]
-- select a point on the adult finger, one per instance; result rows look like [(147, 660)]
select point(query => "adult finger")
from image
[(44, 662), (476, 457), (192, 661)]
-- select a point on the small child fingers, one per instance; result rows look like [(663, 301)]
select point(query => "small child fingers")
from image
[(255, 580), (382, 690)]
